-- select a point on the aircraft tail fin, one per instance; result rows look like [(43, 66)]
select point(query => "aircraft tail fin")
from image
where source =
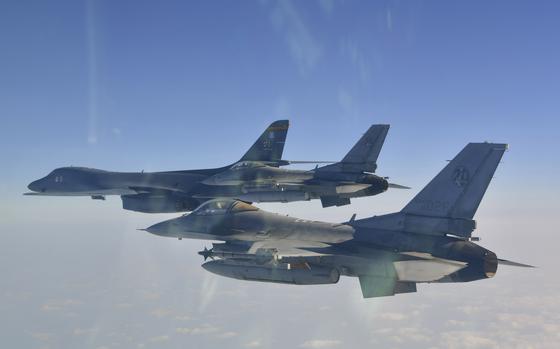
[(458, 189), (270, 145), (363, 155)]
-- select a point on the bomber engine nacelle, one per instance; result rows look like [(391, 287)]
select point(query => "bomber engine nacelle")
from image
[(155, 203), (281, 273)]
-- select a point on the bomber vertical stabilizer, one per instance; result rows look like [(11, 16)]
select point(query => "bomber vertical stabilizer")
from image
[(270, 145)]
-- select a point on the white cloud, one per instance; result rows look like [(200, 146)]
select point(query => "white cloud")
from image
[(228, 334), (84, 331), (42, 336), (304, 49), (467, 340), (205, 329), (159, 339), (456, 323), (320, 343), (161, 312), (327, 6), (182, 317), (414, 334), (254, 344), (359, 60), (469, 309), (54, 305), (393, 316), (389, 18), (149, 295), (347, 104)]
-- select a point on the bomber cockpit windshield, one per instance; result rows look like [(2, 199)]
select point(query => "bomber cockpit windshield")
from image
[(220, 207)]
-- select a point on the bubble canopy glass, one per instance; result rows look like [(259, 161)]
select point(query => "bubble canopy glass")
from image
[(220, 206)]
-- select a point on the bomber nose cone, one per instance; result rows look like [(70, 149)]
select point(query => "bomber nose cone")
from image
[(35, 186)]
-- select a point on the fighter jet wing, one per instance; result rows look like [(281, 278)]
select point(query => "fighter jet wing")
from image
[(291, 249), (423, 267), (373, 286), (408, 269)]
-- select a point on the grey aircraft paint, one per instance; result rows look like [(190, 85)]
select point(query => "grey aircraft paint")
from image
[(156, 192), (429, 240), (334, 184), (255, 178)]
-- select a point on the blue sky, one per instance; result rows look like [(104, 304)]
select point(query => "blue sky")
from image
[(131, 85)]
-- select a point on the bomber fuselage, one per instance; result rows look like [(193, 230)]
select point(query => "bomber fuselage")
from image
[(81, 181)]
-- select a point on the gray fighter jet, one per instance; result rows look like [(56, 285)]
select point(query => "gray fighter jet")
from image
[(334, 184), (429, 240), (256, 177)]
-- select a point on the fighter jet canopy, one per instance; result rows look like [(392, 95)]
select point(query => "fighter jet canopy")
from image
[(222, 206)]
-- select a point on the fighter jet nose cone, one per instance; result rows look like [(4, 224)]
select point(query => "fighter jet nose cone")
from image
[(162, 229), (155, 229)]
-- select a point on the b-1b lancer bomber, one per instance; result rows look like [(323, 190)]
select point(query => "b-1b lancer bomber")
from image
[(256, 177), (428, 241), (155, 192)]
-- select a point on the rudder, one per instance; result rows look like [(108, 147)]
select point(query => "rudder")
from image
[(458, 189), (367, 149), (363, 155), (270, 145)]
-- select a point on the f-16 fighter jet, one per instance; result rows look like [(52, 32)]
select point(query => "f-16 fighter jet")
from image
[(255, 177), (334, 184), (428, 241)]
